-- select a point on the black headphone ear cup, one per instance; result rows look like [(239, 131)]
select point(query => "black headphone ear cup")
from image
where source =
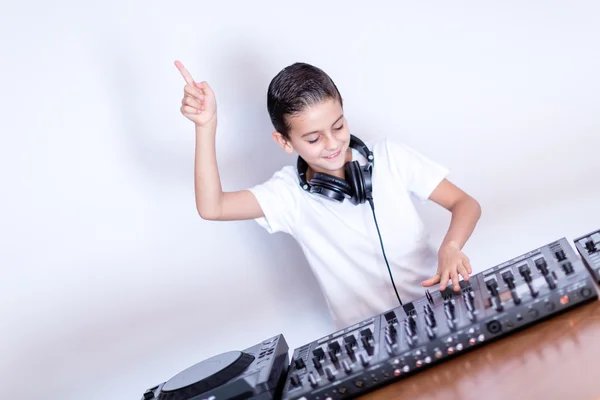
[(356, 181), (335, 188)]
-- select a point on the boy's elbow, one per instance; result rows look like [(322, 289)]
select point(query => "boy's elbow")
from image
[(208, 215), (476, 207)]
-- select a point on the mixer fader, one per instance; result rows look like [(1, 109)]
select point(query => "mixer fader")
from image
[(589, 248), (442, 324)]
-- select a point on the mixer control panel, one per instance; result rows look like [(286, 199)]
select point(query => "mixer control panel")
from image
[(442, 324)]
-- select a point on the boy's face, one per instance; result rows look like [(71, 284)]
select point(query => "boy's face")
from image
[(320, 135)]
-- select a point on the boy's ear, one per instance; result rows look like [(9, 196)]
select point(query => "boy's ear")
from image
[(283, 142)]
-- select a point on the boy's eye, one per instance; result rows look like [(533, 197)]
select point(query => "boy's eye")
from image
[(339, 128), (313, 141)]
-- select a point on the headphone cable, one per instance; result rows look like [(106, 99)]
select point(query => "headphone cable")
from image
[(370, 200)]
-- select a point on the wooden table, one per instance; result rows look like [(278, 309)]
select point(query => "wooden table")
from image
[(555, 359)]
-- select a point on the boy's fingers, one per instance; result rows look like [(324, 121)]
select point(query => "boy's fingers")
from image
[(184, 72), (431, 281), (463, 272), (467, 264), (444, 280)]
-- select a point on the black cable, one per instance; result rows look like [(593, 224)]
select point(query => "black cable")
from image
[(382, 249)]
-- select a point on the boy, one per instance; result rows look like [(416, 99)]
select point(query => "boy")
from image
[(340, 235)]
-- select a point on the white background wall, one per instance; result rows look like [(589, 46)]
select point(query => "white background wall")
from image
[(111, 283)]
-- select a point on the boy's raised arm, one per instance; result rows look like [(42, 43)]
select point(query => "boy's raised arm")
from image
[(199, 105)]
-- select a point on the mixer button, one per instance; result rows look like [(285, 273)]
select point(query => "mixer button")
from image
[(319, 353), (317, 363), (334, 346), (363, 360), (560, 255), (542, 265), (295, 381), (430, 332), (312, 380), (333, 357), (330, 375), (299, 362), (350, 340), (347, 367)]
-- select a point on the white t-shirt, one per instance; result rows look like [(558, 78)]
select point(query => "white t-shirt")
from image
[(340, 240)]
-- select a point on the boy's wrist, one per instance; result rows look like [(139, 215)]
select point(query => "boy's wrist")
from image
[(210, 126)]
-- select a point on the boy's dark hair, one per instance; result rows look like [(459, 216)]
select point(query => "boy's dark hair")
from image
[(295, 88)]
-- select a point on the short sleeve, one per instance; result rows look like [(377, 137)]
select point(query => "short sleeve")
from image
[(420, 174), (279, 201)]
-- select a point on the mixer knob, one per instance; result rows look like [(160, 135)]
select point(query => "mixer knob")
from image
[(330, 375), (363, 360), (299, 362), (389, 348), (515, 296), (449, 313), (568, 268), (335, 347), (347, 367), (430, 332), (451, 324), (590, 246), (390, 339), (367, 345), (366, 333), (471, 315), (525, 273), (333, 357), (509, 279), (542, 265), (317, 363), (497, 303), (349, 349), (550, 281), (449, 304), (410, 327), (312, 380), (319, 353), (412, 322), (430, 320), (560, 255), (492, 286), (295, 381), (391, 330), (468, 298), (350, 341)]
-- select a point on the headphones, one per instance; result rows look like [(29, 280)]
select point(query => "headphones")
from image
[(357, 187)]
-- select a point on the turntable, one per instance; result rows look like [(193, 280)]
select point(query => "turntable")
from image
[(256, 373)]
